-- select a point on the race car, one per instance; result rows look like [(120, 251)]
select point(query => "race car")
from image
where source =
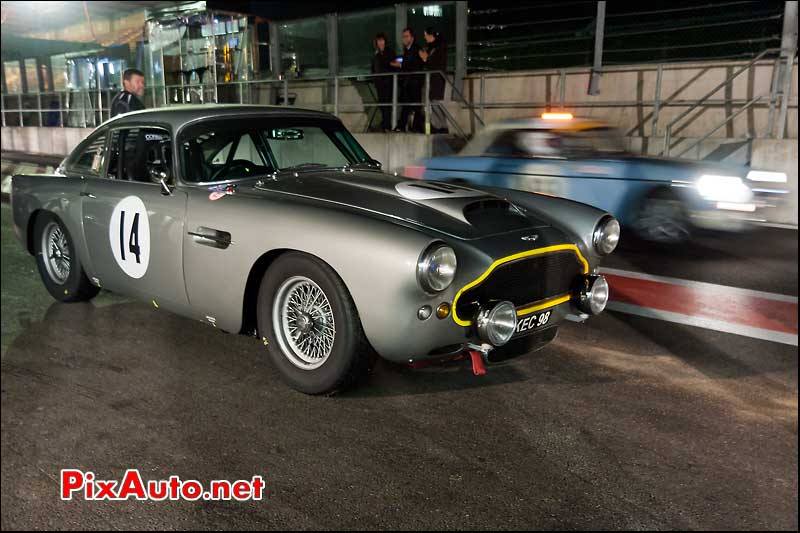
[(660, 199), (274, 221)]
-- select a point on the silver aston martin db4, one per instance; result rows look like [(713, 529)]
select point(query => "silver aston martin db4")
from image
[(275, 222)]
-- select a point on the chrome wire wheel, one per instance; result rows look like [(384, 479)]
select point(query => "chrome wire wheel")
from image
[(56, 253), (302, 319), (663, 220)]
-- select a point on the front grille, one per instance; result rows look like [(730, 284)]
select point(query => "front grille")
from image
[(523, 282)]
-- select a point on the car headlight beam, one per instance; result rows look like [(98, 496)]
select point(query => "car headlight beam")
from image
[(606, 235), (436, 268), (723, 188)]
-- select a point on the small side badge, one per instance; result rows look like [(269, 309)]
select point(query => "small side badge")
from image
[(530, 237)]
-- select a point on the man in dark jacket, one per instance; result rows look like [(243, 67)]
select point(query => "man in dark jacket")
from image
[(411, 88), (435, 58), (382, 64), (132, 90)]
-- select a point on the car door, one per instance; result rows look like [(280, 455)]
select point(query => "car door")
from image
[(132, 226)]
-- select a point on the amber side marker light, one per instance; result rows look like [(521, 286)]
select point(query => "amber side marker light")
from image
[(443, 311), (557, 116)]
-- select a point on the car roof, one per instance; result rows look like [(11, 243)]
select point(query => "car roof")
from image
[(537, 123), (178, 115)]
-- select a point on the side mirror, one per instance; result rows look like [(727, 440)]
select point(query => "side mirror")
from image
[(166, 189)]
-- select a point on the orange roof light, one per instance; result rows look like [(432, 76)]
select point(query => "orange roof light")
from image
[(557, 116)]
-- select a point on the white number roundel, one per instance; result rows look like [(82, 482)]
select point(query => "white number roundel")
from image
[(129, 233)]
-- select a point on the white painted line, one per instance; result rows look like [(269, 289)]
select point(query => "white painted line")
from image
[(706, 323), (700, 285)]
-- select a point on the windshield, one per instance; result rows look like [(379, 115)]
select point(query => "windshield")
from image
[(229, 149)]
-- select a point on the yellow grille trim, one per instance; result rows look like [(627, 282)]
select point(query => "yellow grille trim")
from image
[(529, 253)]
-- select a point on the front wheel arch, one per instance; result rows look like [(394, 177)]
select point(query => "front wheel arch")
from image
[(253, 284)]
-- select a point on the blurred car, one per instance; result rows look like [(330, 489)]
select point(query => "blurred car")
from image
[(274, 221), (585, 160)]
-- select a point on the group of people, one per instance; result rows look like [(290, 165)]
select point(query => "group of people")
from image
[(415, 58)]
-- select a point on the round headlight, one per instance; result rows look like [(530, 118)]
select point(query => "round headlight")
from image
[(436, 268), (498, 324), (594, 295), (606, 235)]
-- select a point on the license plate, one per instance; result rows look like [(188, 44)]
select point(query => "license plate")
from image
[(533, 321)]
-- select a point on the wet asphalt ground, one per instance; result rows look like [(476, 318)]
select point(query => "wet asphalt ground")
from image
[(622, 422)]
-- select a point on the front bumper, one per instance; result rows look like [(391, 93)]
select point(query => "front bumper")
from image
[(736, 217)]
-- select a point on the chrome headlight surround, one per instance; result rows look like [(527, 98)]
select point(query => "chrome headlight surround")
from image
[(436, 267), (593, 295), (606, 235), (498, 324)]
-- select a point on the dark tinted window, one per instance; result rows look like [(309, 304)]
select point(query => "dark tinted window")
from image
[(140, 154)]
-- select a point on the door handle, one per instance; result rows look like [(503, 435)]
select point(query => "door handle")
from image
[(212, 237), (88, 194)]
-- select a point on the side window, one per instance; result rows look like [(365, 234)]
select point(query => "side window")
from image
[(506, 144), (140, 154), (90, 160)]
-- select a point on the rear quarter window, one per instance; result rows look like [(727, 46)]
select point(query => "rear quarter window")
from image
[(91, 157)]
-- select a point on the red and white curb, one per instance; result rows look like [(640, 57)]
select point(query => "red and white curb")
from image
[(757, 314)]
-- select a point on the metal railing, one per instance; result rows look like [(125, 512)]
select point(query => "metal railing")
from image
[(709, 94), (556, 97), (85, 108)]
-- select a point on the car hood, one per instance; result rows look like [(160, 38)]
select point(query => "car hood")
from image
[(454, 210)]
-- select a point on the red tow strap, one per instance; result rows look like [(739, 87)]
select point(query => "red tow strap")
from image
[(477, 363)]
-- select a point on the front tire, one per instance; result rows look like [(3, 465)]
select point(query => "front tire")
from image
[(662, 218), (57, 260), (310, 325)]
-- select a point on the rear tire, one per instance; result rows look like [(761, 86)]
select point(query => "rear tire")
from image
[(662, 218), (58, 262), (310, 325)]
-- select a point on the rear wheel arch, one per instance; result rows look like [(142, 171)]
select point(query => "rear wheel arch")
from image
[(29, 232)]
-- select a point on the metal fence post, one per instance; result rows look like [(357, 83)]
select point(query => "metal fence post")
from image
[(241, 93), (3, 108), (773, 98), (83, 108), (483, 93), (60, 110), (19, 100), (657, 102), (285, 91), (336, 95), (427, 102), (394, 101), (39, 107), (562, 87)]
